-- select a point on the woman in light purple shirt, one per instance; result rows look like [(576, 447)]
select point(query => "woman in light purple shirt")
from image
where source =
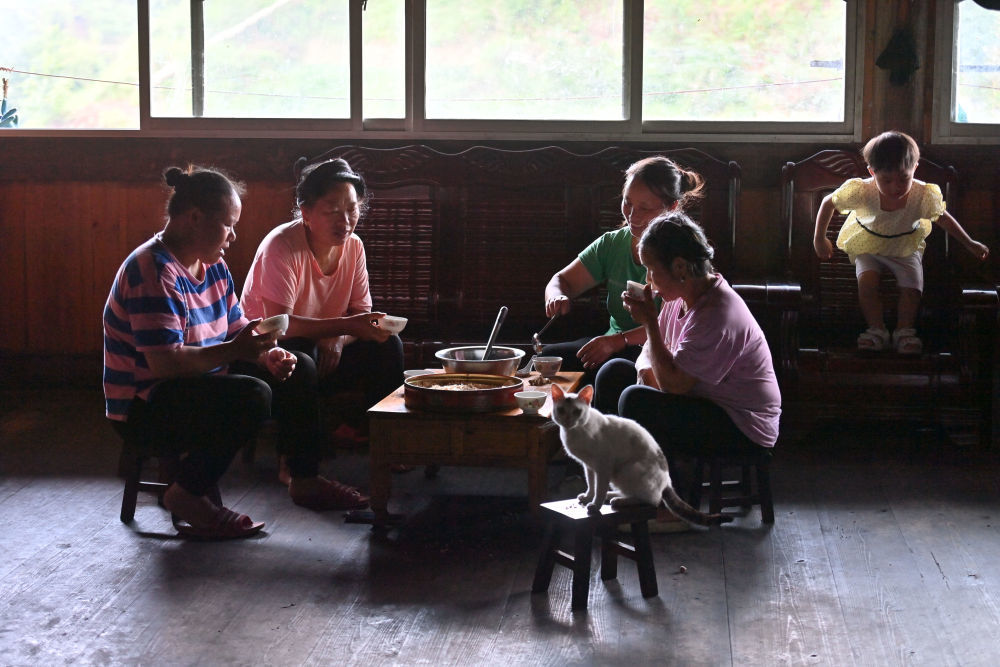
[(704, 383)]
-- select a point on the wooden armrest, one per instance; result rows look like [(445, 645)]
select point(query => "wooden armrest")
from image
[(980, 297)]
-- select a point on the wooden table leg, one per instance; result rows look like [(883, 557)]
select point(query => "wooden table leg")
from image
[(380, 472)]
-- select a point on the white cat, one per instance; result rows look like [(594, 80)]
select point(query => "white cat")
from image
[(621, 459)]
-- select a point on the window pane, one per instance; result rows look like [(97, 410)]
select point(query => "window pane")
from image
[(75, 65), (384, 58), (977, 90), (744, 60), (262, 59), (507, 59)]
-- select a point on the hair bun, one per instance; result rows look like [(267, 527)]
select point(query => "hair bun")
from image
[(174, 176), (297, 168)]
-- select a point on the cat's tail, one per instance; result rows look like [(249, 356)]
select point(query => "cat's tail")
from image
[(677, 505)]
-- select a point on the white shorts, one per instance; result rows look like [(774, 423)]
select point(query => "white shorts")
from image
[(909, 271)]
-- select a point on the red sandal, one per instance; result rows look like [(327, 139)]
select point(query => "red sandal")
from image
[(226, 525), (331, 495)]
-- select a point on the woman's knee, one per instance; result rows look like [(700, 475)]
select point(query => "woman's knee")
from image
[(640, 401), (612, 380), (305, 373), (253, 396)]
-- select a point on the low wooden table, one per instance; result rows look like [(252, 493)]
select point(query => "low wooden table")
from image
[(508, 439)]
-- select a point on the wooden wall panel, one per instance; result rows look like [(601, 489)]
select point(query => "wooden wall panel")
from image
[(13, 262), (265, 206)]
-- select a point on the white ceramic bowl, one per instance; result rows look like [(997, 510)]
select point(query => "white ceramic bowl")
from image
[(530, 402), (415, 372), (634, 289), (277, 323), (392, 324), (547, 367)]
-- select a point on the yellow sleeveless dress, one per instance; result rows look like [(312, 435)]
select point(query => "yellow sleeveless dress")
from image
[(870, 230)]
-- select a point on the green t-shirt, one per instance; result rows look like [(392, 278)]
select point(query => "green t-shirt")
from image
[(609, 261)]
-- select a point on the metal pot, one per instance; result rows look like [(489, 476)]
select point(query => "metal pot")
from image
[(502, 361), (497, 394)]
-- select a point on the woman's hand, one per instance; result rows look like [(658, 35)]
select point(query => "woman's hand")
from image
[(823, 247), (248, 345), (559, 304), (643, 310), (329, 351), (364, 326), (279, 362), (598, 350)]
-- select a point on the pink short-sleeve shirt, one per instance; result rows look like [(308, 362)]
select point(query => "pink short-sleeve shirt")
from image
[(285, 271)]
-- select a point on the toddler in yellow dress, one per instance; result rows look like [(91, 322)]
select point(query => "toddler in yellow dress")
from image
[(889, 216)]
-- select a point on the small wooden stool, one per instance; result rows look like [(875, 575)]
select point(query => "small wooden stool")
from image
[(569, 516), (758, 462)]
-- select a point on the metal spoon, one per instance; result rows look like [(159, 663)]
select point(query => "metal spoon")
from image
[(536, 338), (493, 334), (525, 370)]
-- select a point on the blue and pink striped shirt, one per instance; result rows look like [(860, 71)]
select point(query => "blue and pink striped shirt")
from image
[(156, 303)]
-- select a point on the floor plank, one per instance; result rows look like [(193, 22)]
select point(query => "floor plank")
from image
[(883, 553)]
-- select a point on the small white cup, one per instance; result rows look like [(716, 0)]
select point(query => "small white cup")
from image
[(634, 289), (277, 323), (548, 367), (415, 372), (392, 324), (530, 402)]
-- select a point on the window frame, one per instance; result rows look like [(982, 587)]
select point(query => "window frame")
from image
[(944, 130), (415, 126)]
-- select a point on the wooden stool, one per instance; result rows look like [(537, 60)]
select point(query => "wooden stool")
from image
[(131, 462), (130, 465), (569, 516), (745, 497)]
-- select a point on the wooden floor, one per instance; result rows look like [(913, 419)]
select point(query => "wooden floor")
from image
[(885, 551)]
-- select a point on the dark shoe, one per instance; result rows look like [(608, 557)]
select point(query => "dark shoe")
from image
[(330, 495)]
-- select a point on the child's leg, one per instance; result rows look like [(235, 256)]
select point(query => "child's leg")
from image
[(909, 304), (869, 299), (909, 272)]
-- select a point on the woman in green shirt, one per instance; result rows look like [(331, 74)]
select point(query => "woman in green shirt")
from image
[(653, 186)]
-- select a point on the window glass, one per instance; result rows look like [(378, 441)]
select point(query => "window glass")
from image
[(262, 59), (508, 60), (977, 72), (384, 59), (71, 69), (744, 60)]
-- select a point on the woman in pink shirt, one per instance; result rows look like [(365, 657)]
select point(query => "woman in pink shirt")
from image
[(313, 269), (704, 382)]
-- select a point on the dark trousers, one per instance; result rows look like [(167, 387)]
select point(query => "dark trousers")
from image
[(205, 420), (295, 407), (202, 420), (686, 427), (375, 368), (571, 362)]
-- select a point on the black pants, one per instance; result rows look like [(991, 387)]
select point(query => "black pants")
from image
[(686, 427), (571, 362), (202, 420), (205, 420), (376, 368)]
